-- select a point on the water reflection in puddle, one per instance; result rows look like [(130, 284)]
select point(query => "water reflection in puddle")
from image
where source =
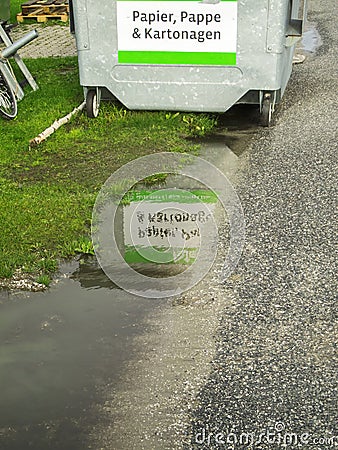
[(56, 347)]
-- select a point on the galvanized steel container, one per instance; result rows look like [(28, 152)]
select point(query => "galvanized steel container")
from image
[(187, 55)]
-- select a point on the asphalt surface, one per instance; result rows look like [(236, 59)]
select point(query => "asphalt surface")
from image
[(275, 369)]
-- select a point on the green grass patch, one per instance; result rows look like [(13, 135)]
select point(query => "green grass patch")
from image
[(44, 279), (47, 192), (15, 9)]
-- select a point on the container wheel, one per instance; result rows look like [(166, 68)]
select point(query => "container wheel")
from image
[(266, 112), (92, 104)]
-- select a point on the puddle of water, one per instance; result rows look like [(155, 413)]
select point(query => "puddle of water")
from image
[(56, 348)]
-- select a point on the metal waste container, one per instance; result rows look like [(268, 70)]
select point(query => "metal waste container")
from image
[(4, 10), (187, 55)]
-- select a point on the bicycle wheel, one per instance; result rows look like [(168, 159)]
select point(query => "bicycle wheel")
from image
[(8, 105)]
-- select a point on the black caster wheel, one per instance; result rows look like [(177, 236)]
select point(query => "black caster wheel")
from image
[(266, 111), (92, 104)]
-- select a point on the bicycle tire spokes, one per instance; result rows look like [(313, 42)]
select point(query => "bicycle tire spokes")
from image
[(8, 104)]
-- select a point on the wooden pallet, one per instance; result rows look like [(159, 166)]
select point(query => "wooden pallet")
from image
[(42, 10)]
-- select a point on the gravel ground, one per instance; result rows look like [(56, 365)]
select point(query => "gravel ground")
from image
[(275, 366)]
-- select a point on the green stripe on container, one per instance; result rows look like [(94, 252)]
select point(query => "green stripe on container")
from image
[(177, 58), (196, 1), (150, 254), (172, 195)]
